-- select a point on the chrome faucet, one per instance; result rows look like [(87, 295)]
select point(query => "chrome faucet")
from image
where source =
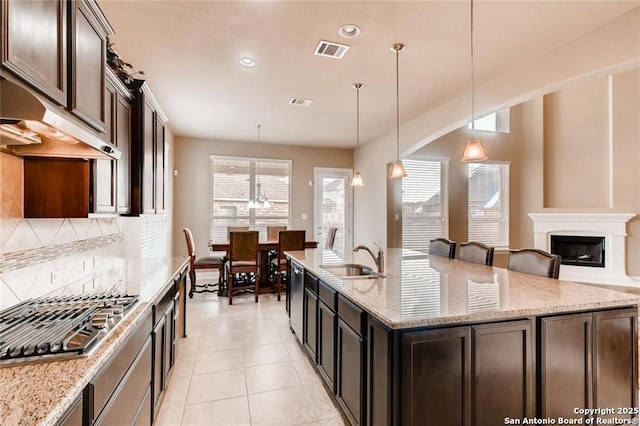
[(379, 259)]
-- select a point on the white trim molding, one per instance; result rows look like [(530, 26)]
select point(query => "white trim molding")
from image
[(611, 226)]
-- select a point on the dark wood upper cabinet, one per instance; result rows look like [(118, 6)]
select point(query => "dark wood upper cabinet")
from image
[(88, 38), (34, 44), (147, 152), (110, 178)]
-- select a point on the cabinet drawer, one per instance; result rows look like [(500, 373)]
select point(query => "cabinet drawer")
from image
[(352, 315), (311, 282), (107, 380), (327, 295), (167, 300), (129, 400)]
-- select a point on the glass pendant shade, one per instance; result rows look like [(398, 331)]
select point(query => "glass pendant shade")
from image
[(473, 151), (357, 180), (398, 170)]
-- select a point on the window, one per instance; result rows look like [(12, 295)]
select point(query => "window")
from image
[(425, 203), (494, 122), (488, 207), (234, 182)]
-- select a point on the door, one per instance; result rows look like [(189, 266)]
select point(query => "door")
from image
[(333, 207)]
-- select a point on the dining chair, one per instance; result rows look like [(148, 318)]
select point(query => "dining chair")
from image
[(442, 247), (287, 241), (535, 262), (272, 232), (476, 252), (205, 262), (331, 238), (230, 229), (242, 259)]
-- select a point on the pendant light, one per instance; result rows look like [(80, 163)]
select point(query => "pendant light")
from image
[(473, 150), (259, 200), (357, 179), (398, 169)]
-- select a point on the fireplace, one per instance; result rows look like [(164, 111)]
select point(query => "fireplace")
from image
[(608, 226), (579, 250)]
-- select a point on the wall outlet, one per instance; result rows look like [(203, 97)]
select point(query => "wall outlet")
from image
[(55, 276), (304, 216)]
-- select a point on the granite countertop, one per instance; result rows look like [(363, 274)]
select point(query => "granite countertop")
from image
[(38, 394), (422, 290)]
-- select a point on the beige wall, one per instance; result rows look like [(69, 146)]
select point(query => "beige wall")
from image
[(192, 185), (549, 165), (576, 146), (611, 48), (517, 148)]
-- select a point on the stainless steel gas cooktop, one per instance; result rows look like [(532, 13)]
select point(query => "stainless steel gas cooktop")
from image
[(49, 329)]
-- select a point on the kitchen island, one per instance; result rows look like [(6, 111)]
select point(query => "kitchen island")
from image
[(123, 375), (444, 342)]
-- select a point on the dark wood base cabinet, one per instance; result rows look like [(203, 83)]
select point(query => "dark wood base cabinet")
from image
[(470, 374)]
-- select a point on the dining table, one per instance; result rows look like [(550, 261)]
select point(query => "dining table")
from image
[(264, 247)]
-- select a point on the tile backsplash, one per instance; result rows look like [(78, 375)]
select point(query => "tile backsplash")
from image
[(41, 257), (59, 256)]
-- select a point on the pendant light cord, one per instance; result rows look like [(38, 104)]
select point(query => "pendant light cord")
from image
[(258, 165), (357, 125), (473, 96), (397, 107)]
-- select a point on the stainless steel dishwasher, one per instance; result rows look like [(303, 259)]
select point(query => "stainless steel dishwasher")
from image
[(296, 304)]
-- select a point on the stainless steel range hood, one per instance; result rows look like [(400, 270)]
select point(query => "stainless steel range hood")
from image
[(32, 126)]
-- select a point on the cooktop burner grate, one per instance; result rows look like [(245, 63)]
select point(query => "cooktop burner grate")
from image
[(59, 327)]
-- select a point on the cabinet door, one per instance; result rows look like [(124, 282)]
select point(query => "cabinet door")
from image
[(436, 377), (159, 169), (504, 374), (326, 344), (159, 360), (614, 361), (565, 364), (104, 171), (148, 159), (73, 416), (310, 322), (88, 66), (350, 381), (34, 44), (123, 165)]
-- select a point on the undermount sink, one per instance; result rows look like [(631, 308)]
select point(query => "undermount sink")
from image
[(352, 271)]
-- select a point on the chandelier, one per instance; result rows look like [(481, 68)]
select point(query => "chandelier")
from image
[(260, 200)]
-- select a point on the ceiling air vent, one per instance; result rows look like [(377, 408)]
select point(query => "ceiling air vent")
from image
[(300, 101), (331, 49)]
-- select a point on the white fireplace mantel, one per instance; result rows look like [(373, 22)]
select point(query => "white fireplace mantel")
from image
[(611, 226)]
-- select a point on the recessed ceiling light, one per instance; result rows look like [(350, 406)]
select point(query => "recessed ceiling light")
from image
[(349, 31), (247, 62)]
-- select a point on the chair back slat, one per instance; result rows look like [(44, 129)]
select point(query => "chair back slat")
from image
[(230, 229), (290, 240), (243, 245), (442, 247), (272, 232), (535, 262), (190, 245), (331, 238), (476, 252)]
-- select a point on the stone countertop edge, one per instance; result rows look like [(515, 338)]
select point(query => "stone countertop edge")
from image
[(307, 259), (38, 394)]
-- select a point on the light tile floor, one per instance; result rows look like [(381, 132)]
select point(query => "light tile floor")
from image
[(240, 365)]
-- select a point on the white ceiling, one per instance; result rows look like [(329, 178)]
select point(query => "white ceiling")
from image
[(189, 51)]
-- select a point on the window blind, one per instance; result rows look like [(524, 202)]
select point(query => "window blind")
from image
[(425, 203), (234, 182), (488, 206)]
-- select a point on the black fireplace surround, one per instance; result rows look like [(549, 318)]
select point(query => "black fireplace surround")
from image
[(578, 250)]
